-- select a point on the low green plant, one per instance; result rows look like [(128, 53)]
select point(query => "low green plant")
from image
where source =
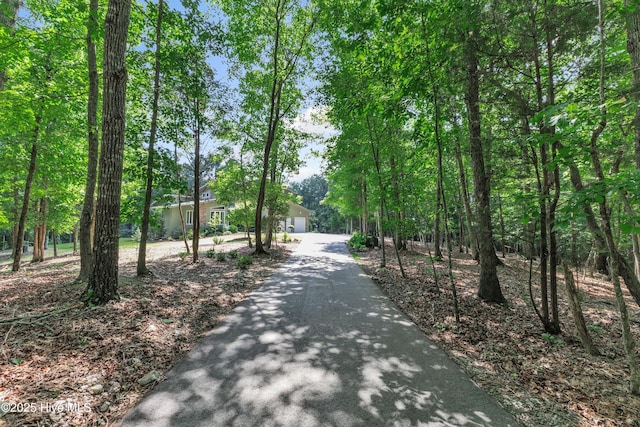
[(552, 339), (221, 256), (285, 237), (233, 254), (218, 240), (183, 255), (233, 228), (210, 253), (358, 241), (244, 262), (137, 235)]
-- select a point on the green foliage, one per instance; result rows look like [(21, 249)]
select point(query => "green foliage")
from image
[(221, 256), (183, 255), (233, 254), (358, 241), (243, 262), (217, 240), (210, 253), (285, 237), (552, 339), (137, 235), (233, 228)]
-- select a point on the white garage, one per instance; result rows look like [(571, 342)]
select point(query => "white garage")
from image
[(299, 224)]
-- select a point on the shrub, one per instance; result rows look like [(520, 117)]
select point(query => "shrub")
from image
[(221, 256), (189, 234), (233, 228), (226, 233), (210, 253), (183, 255), (244, 262), (291, 228), (136, 235), (217, 240), (358, 241), (285, 237), (233, 254)]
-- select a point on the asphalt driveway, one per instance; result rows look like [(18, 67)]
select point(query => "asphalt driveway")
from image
[(317, 345)]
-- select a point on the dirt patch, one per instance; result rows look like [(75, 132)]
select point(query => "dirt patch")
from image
[(63, 364), (543, 380)]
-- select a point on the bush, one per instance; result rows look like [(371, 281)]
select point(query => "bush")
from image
[(217, 240), (210, 253), (285, 237), (358, 241), (233, 228), (221, 256), (226, 233), (183, 255), (136, 235), (244, 262), (233, 254)]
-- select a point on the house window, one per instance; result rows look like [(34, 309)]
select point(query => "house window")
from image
[(205, 196), (189, 218), (216, 217)]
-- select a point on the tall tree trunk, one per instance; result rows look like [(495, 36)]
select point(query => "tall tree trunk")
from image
[(196, 184), (103, 282), (8, 14), (629, 341), (22, 223), (633, 47), (489, 288), (87, 216), (141, 269)]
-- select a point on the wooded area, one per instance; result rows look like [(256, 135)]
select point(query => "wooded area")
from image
[(483, 127)]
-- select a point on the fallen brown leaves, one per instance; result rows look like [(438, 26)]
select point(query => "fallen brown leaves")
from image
[(87, 366), (543, 380)]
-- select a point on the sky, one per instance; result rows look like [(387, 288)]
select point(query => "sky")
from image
[(310, 121)]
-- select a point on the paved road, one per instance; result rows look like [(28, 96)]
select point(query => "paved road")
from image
[(317, 345)]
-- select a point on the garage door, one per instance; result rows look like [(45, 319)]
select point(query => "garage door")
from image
[(300, 224)]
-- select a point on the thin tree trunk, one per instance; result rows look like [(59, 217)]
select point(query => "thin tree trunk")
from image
[(473, 241), (629, 341), (17, 249), (576, 310), (142, 269), (55, 243), (75, 238), (196, 183), (87, 217), (40, 232), (103, 282)]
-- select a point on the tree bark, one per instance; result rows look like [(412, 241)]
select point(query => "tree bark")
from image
[(103, 282), (489, 288), (87, 217), (473, 241), (633, 48), (576, 310), (144, 227), (196, 184), (40, 232), (17, 249)]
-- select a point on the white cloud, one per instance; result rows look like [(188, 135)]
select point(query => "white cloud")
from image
[(314, 121)]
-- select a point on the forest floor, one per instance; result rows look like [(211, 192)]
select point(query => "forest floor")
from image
[(62, 364), (544, 380)]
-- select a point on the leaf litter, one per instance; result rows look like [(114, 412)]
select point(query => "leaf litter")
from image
[(64, 364)]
